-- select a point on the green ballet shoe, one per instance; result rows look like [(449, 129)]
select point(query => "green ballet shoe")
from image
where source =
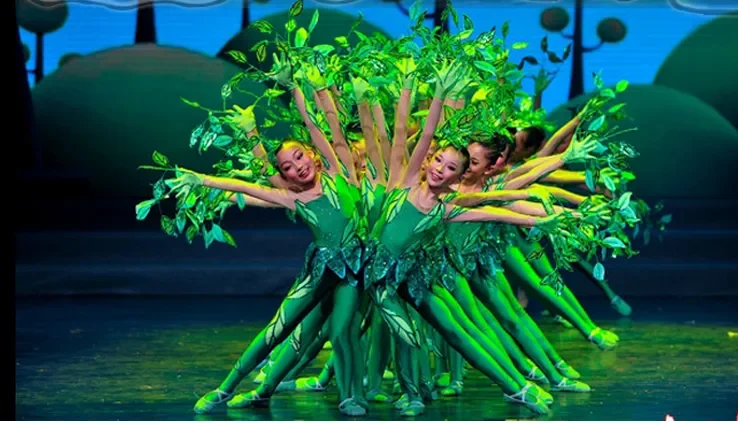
[(568, 385), (528, 400), (621, 306), (308, 384), (327, 345), (454, 389), (402, 402), (211, 400), (388, 375), (602, 339), (536, 375), (286, 386), (536, 390), (567, 371), (396, 388), (259, 378), (380, 396), (249, 399), (442, 380), (413, 408), (349, 407)]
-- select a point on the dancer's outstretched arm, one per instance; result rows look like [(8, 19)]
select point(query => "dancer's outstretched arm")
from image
[(254, 202), (552, 144), (373, 145)]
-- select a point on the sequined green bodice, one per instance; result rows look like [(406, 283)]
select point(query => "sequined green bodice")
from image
[(394, 246), (401, 226), (336, 224)]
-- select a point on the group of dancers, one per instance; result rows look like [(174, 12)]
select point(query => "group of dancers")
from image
[(414, 227)]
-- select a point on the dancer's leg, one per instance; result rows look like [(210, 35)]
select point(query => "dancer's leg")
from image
[(436, 312), (301, 299), (301, 339), (463, 295), (617, 303), (496, 300), (380, 351), (346, 298), (515, 261), (542, 266)]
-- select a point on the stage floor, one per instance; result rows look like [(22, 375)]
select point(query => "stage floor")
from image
[(136, 358)]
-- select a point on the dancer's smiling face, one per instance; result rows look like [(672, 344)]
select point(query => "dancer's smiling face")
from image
[(358, 152), (446, 167), (296, 163), (485, 160)]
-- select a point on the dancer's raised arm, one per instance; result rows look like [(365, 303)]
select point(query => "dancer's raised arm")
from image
[(328, 105), (283, 76), (578, 150), (450, 79), (553, 143), (373, 147)]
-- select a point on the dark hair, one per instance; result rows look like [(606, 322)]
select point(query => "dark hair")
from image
[(535, 137), (495, 145)]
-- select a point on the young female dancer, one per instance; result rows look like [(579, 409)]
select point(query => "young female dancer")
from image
[(326, 201)]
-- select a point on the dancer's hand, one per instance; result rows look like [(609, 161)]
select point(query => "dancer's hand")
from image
[(282, 73), (407, 67), (465, 81), (447, 77), (541, 194), (613, 175), (243, 118), (550, 224), (361, 89), (313, 76), (185, 182), (579, 150)]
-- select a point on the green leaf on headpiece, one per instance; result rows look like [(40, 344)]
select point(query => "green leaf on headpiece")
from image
[(301, 37), (596, 124), (296, 9), (621, 86), (314, 21)]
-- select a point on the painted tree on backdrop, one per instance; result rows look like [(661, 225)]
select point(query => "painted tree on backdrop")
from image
[(40, 20), (609, 30), (246, 14), (145, 22), (439, 14)]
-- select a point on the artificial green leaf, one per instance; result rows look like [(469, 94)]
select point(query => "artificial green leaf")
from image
[(342, 41), (261, 52), (273, 93), (167, 225), (544, 44), (596, 124), (463, 35), (609, 183), (189, 201), (261, 26), (306, 214), (590, 180), (519, 45), (324, 49), (300, 289), (240, 200), (415, 11), (395, 204), (599, 272), (143, 208), (313, 21), (237, 56), (616, 108), (485, 66), (160, 159), (553, 58), (530, 59), (624, 200), (431, 219), (349, 231), (621, 86), (665, 218), (301, 37), (222, 140), (228, 238), (191, 233), (614, 242), (296, 9), (181, 220), (607, 93), (367, 194), (505, 29), (329, 190)]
